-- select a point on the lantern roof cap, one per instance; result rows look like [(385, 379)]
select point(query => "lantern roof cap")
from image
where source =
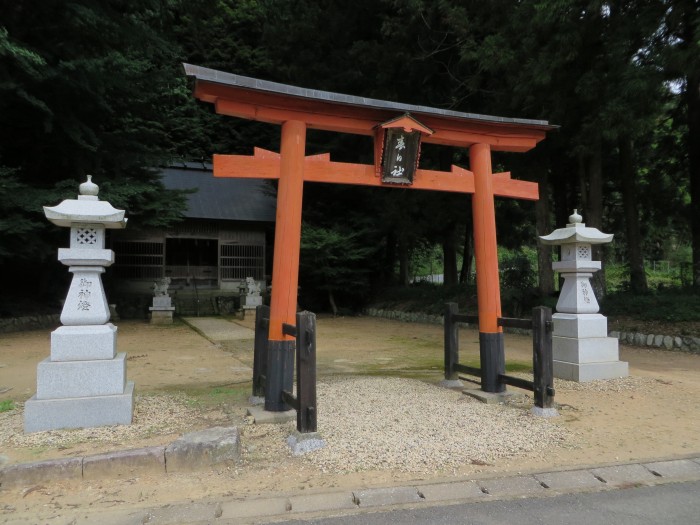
[(576, 231), (87, 208)]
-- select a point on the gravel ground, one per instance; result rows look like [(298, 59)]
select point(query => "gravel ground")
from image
[(368, 423), (153, 415), (408, 425), (620, 384)]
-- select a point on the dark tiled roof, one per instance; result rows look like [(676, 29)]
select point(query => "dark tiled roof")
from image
[(231, 79), (226, 199)]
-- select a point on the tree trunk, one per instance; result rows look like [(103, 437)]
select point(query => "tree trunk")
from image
[(594, 215), (331, 300), (568, 176), (545, 273), (449, 257), (638, 278), (468, 253), (404, 270), (389, 260), (449, 240), (692, 96), (583, 184)]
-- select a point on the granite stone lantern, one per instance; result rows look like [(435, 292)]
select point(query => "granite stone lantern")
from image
[(83, 382), (581, 346)]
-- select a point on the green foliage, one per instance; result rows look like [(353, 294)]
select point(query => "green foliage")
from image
[(6, 405), (87, 87), (427, 260), (19, 216), (518, 267), (662, 275), (518, 275), (425, 297), (97, 87), (334, 260), (675, 305)]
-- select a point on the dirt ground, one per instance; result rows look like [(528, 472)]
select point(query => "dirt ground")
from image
[(192, 383)]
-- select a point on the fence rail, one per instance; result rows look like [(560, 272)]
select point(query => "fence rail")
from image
[(542, 360), (305, 356)]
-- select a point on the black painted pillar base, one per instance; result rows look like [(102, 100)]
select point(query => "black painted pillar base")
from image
[(280, 374), (493, 362)]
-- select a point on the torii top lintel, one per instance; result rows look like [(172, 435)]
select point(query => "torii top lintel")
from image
[(271, 102)]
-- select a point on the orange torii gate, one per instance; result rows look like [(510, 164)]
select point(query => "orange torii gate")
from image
[(397, 133)]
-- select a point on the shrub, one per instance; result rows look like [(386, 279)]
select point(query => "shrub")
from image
[(671, 305)]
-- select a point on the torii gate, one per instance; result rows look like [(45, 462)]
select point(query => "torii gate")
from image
[(398, 130)]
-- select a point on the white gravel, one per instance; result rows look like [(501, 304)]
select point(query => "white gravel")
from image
[(619, 384), (368, 423), (153, 415), (400, 424)]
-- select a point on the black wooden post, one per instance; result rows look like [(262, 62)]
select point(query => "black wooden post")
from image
[(280, 374), (306, 372), (451, 341), (542, 360), (492, 356), (262, 323)]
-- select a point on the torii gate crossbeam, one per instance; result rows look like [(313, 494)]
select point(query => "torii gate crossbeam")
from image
[(296, 110)]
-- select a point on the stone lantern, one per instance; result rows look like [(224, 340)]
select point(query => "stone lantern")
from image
[(83, 382), (581, 346)]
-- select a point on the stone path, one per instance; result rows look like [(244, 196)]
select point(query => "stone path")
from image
[(218, 329)]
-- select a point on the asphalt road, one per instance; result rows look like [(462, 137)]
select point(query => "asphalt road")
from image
[(672, 503)]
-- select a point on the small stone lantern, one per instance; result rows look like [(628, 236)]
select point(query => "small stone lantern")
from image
[(83, 383), (581, 346)]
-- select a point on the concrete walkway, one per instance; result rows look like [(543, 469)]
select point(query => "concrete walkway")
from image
[(218, 329)]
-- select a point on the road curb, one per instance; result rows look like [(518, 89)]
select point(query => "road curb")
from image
[(297, 506), (197, 449), (537, 485)]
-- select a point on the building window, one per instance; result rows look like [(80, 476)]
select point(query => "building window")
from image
[(138, 260), (239, 261), (191, 259)]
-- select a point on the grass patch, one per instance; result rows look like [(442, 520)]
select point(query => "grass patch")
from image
[(7, 405), (516, 366), (417, 343), (207, 395), (226, 393), (511, 366)]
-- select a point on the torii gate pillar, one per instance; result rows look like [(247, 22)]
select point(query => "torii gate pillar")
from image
[(491, 346), (285, 270)]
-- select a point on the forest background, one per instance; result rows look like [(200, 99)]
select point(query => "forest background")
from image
[(97, 86)]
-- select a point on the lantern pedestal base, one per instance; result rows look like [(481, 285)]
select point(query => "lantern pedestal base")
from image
[(162, 315), (582, 350), (79, 412), (590, 371), (251, 302), (84, 343)]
